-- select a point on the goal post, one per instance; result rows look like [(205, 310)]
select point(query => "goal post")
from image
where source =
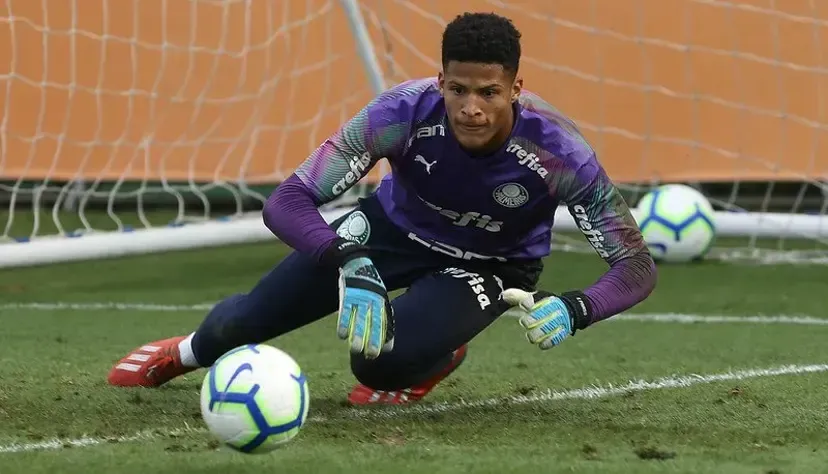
[(140, 126)]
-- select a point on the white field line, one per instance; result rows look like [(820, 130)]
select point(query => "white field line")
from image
[(83, 441), (679, 318), (584, 393), (712, 318), (103, 306), (592, 392)]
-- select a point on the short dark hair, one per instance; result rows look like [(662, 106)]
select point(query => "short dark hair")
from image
[(485, 38)]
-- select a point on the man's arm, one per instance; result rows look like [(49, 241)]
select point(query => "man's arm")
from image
[(605, 220), (604, 217), (377, 131)]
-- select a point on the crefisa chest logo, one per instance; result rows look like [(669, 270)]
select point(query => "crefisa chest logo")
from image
[(511, 195)]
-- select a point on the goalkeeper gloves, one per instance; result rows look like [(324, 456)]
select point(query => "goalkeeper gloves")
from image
[(365, 317), (549, 319)]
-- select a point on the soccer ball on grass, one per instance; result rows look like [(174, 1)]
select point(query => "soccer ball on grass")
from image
[(677, 223), (254, 398)]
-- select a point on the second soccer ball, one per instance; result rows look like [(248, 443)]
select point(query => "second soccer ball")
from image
[(677, 222)]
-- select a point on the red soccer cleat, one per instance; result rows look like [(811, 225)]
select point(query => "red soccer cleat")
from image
[(364, 395), (150, 365)]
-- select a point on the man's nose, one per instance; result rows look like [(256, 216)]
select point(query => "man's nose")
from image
[(471, 110)]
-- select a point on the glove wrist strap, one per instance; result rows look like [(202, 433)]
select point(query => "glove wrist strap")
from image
[(579, 307), (342, 250)]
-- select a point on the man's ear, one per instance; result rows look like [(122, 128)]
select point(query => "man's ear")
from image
[(517, 86), (441, 81)]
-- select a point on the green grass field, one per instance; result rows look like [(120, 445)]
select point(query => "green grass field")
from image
[(626, 396)]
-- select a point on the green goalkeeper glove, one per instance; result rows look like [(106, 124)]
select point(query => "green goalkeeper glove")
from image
[(366, 318), (547, 318)]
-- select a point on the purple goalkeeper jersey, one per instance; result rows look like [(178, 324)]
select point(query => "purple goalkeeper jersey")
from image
[(498, 206)]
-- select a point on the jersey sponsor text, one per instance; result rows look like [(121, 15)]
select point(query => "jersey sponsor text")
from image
[(358, 165), (529, 160), (427, 132), (593, 235), (468, 219)]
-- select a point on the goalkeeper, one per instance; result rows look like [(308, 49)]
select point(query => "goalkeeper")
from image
[(479, 166)]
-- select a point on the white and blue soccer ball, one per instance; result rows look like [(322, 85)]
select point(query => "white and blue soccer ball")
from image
[(255, 398), (677, 222)]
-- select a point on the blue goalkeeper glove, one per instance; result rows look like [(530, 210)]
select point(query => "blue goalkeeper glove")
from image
[(548, 319), (366, 317)]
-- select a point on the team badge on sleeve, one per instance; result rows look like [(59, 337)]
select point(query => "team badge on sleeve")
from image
[(355, 228)]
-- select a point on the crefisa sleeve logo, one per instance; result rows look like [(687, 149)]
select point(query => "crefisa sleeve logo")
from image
[(357, 165)]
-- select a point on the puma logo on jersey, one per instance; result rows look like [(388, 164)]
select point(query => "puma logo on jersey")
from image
[(529, 160), (421, 159), (358, 166), (468, 219), (594, 236)]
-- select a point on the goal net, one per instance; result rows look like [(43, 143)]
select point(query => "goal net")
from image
[(135, 126)]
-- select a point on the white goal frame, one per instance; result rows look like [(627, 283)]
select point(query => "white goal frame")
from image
[(249, 228)]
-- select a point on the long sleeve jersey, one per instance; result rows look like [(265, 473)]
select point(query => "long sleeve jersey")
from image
[(501, 205)]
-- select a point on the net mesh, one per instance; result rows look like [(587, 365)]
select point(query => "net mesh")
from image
[(113, 111), (144, 112)]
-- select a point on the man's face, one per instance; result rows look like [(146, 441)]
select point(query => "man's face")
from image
[(478, 101)]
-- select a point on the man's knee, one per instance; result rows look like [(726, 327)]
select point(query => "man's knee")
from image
[(391, 372)]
